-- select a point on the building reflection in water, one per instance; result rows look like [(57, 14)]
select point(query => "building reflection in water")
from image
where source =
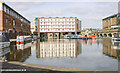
[(58, 48), (88, 41), (111, 49), (20, 52)]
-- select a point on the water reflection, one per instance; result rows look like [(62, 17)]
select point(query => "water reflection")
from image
[(92, 54), (58, 48), (88, 41), (72, 48), (111, 48), (19, 52)]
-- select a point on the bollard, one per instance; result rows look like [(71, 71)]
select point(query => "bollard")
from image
[(18, 40), (21, 39)]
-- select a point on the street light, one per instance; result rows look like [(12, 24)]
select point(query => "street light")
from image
[(38, 28)]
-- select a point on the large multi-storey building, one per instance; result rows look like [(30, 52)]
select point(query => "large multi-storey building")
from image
[(111, 21), (12, 22), (57, 26)]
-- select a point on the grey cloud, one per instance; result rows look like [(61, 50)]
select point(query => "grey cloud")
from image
[(91, 13), (61, 0)]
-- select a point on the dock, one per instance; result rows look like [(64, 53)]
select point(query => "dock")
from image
[(78, 37), (13, 40)]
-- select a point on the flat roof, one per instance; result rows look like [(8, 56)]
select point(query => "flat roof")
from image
[(55, 17), (110, 16)]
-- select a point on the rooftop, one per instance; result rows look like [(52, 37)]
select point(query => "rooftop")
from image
[(110, 16), (14, 11)]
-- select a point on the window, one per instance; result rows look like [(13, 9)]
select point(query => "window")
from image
[(56, 19), (13, 22), (53, 19), (9, 22), (73, 19), (49, 19), (4, 8), (60, 19), (67, 19), (42, 19), (6, 20), (8, 10)]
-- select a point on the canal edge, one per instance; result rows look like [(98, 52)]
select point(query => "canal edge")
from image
[(47, 67)]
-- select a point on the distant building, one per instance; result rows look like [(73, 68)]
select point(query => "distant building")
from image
[(58, 26), (110, 21), (12, 22), (88, 31)]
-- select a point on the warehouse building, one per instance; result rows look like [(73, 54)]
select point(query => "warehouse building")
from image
[(111, 21), (58, 26), (12, 22)]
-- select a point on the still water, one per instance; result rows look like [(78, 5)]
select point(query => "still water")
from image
[(89, 54)]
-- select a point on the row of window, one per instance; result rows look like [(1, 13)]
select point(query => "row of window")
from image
[(67, 19), (15, 14), (12, 22), (8, 21), (57, 52), (58, 45), (57, 26), (44, 55), (109, 24), (57, 30), (57, 23)]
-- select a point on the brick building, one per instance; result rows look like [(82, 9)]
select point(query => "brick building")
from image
[(58, 26), (12, 22), (111, 21)]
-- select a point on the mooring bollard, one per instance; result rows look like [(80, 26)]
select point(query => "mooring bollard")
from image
[(21, 39), (18, 40)]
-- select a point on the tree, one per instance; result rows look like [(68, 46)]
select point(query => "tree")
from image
[(90, 29)]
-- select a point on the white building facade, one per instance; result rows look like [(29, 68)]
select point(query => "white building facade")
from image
[(57, 25)]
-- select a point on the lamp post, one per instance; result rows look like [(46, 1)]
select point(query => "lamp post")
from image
[(38, 27), (38, 41)]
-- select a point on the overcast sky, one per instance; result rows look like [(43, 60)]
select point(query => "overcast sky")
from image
[(90, 13)]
